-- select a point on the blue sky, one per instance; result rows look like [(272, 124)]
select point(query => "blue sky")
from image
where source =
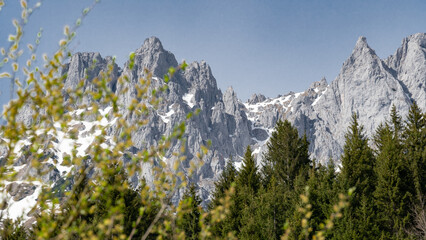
[(269, 47)]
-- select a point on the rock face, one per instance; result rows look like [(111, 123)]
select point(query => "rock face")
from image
[(409, 66), (20, 191), (85, 67), (366, 85)]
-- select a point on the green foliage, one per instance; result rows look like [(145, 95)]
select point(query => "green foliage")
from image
[(287, 155), (94, 200), (357, 171), (190, 222), (378, 194), (357, 162), (322, 194), (394, 190), (265, 217), (13, 230), (223, 184), (415, 148), (248, 176)]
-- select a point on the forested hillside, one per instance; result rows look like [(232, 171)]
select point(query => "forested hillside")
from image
[(377, 193)]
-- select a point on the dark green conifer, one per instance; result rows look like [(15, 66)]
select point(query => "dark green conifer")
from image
[(415, 148), (265, 217), (322, 193), (226, 179), (357, 171), (248, 184), (357, 163), (232, 220), (190, 222), (287, 155), (394, 191), (248, 176)]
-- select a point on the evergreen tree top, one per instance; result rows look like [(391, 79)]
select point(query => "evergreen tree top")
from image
[(287, 154), (248, 175)]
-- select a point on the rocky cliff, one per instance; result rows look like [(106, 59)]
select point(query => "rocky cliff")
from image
[(366, 85)]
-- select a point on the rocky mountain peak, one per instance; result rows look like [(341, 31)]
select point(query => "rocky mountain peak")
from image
[(231, 101), (323, 81), (418, 38), (255, 98), (152, 43), (230, 92), (362, 41), (86, 56), (362, 49), (88, 65), (199, 78), (361, 45), (153, 57), (409, 65), (366, 85), (319, 84)]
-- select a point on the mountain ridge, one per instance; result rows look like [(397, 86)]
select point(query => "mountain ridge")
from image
[(366, 85)]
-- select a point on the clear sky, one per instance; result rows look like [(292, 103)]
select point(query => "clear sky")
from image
[(269, 47)]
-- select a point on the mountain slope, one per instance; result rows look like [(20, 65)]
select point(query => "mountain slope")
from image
[(366, 85)]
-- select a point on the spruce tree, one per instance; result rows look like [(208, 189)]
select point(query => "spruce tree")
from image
[(357, 171), (265, 217), (394, 191), (190, 222), (287, 155), (357, 163), (231, 221), (248, 176), (322, 193), (415, 148), (226, 179), (248, 184)]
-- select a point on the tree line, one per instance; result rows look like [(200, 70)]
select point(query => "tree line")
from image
[(386, 176), (378, 192)]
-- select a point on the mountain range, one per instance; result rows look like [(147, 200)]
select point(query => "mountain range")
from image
[(366, 85)]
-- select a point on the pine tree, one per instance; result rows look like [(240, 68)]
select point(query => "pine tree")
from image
[(321, 193), (284, 174), (190, 222), (134, 201), (287, 155), (126, 203)]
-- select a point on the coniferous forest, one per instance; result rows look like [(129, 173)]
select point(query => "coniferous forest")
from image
[(375, 190), (378, 192)]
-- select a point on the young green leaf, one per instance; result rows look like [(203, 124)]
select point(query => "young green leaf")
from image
[(23, 4), (5, 75)]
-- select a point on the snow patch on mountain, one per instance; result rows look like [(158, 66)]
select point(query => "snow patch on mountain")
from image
[(20, 208), (166, 117), (189, 99)]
